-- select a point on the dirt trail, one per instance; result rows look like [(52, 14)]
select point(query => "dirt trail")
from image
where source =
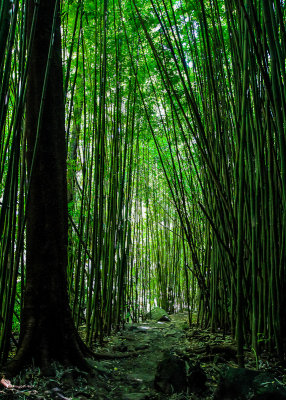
[(132, 378), (133, 355)]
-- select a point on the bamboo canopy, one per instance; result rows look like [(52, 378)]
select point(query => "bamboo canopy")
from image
[(175, 116)]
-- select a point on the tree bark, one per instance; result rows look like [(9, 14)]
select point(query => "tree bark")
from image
[(47, 328)]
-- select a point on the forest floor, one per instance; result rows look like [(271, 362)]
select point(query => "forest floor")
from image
[(133, 356)]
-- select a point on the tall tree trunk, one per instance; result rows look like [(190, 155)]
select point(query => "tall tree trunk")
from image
[(47, 328)]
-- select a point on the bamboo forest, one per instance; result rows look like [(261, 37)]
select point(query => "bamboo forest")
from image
[(143, 199)]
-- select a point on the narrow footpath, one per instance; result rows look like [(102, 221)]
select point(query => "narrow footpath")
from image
[(158, 360)]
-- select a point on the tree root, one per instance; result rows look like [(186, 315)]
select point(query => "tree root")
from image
[(38, 348), (114, 356)]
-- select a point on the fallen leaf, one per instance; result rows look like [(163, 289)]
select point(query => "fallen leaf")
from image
[(7, 384)]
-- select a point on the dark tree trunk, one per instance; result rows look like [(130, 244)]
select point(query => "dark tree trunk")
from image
[(47, 328)]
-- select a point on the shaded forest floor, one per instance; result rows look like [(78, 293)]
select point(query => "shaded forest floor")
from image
[(131, 372)]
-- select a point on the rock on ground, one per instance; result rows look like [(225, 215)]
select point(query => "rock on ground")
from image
[(158, 314), (176, 375), (244, 384)]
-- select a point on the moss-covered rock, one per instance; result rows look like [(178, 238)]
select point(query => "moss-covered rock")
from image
[(158, 314)]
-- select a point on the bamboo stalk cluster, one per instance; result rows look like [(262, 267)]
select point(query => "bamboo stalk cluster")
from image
[(222, 65), (175, 121)]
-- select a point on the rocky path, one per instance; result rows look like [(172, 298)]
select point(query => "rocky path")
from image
[(158, 361), (132, 378), (187, 364), (126, 371)]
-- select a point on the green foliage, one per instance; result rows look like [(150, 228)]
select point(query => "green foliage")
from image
[(175, 116)]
